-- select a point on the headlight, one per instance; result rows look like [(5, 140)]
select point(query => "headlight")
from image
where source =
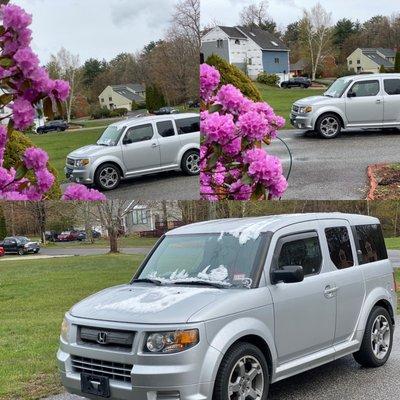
[(304, 110), (65, 330), (171, 342), (82, 163)]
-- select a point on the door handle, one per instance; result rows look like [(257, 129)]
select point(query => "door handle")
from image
[(330, 291), (378, 101), (154, 145)]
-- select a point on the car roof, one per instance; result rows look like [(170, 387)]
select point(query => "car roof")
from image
[(370, 76), (270, 223), (152, 118)]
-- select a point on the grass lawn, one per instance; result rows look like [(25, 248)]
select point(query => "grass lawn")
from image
[(94, 123), (393, 243), (59, 145), (34, 296), (282, 99)]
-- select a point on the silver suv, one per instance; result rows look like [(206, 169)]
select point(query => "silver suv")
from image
[(136, 147), (361, 101), (221, 309)]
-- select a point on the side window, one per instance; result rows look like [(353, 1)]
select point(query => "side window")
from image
[(188, 125), (7, 242), (139, 134), (365, 89), (392, 86), (371, 245), (339, 247), (303, 251), (165, 128)]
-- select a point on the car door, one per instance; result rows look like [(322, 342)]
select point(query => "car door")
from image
[(391, 87), (10, 245), (188, 130), (140, 148), (304, 313), (364, 103), (347, 276), (169, 142)]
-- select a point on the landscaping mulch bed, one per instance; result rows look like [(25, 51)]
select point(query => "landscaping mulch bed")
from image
[(384, 181)]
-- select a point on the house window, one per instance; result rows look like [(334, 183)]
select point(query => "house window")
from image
[(276, 60), (141, 217), (110, 98), (358, 62), (220, 43), (350, 62), (250, 62), (237, 41)]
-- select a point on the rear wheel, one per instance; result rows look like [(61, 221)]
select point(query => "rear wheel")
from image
[(328, 126), (107, 176), (243, 374), (191, 162), (377, 341), (21, 252)]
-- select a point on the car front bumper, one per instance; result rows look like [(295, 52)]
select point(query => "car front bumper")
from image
[(84, 176), (301, 121)]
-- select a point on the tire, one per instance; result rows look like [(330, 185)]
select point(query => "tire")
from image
[(191, 162), (229, 374), (372, 355), (58, 130), (107, 177), (21, 252), (328, 126)]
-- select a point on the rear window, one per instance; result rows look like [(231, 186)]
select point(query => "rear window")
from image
[(392, 86), (339, 247), (370, 243), (188, 125)]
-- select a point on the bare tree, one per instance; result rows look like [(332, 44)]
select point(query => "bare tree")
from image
[(254, 14), (316, 35)]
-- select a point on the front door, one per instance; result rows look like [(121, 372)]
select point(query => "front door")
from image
[(140, 149), (364, 103), (347, 276), (305, 312), (169, 142)]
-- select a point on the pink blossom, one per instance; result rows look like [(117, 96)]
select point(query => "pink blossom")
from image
[(231, 99), (61, 90), (41, 81), (240, 191), (35, 158), (3, 142), (253, 125), (23, 114), (209, 80), (76, 192), (45, 180), (218, 128), (6, 176), (278, 188), (219, 174), (27, 61), (15, 17)]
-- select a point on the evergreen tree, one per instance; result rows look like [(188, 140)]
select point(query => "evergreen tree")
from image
[(397, 62)]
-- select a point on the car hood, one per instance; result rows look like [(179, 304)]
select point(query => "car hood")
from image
[(90, 151), (147, 304), (32, 244), (313, 100)]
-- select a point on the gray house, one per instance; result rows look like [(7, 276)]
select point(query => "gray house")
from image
[(251, 49)]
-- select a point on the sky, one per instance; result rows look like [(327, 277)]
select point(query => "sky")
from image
[(96, 28), (226, 12)]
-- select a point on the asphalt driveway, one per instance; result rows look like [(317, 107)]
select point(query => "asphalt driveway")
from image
[(341, 379), (334, 169)]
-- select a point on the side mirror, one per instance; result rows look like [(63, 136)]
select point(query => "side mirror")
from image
[(288, 274), (127, 141), (351, 94)]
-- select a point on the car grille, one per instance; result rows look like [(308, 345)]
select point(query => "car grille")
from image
[(106, 338), (107, 369), (295, 108)]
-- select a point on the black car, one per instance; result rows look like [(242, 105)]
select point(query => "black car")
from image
[(82, 235), (58, 126), (296, 82), (51, 236), (166, 111), (20, 245)]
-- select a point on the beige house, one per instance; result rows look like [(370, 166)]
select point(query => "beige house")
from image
[(122, 96), (364, 60)]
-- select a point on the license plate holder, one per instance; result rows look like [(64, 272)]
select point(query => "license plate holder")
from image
[(95, 385)]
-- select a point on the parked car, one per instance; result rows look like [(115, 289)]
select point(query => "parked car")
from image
[(82, 235), (300, 82), (166, 111), (360, 101), (19, 245), (68, 236), (245, 303), (138, 147), (58, 126), (51, 236), (2, 252)]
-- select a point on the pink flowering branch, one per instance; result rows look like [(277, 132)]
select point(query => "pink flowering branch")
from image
[(233, 163), (27, 84)]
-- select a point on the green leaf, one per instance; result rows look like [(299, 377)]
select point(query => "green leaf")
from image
[(212, 160), (215, 108), (10, 127), (6, 62), (259, 193), (21, 172), (2, 30), (246, 179), (5, 99)]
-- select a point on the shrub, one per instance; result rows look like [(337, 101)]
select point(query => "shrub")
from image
[(135, 106), (154, 98), (16, 145), (119, 112), (382, 69), (236, 77), (98, 112), (268, 79)]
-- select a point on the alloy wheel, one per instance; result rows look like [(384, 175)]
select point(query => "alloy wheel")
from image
[(108, 177), (192, 163), (329, 126), (380, 337), (246, 381)]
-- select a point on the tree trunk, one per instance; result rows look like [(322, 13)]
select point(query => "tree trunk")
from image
[(113, 237)]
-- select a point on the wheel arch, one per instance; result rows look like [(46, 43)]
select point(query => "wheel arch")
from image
[(324, 112), (184, 150), (114, 162)]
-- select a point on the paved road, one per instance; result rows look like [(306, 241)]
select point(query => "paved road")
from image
[(334, 169), (341, 379)]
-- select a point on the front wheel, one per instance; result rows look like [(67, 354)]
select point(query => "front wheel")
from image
[(377, 341), (328, 126), (191, 163), (21, 252), (107, 177), (243, 374)]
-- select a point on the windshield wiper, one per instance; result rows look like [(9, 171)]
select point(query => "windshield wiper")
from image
[(147, 280), (201, 283)]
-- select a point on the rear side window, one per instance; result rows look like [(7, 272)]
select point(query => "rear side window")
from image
[(339, 247), (165, 128), (188, 125), (305, 252), (371, 245), (392, 86), (365, 89)]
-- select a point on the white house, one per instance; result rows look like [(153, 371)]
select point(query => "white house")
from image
[(122, 96), (364, 60), (253, 50)]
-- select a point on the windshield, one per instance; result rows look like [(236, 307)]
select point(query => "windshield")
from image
[(22, 240), (337, 88), (211, 258), (110, 136)]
